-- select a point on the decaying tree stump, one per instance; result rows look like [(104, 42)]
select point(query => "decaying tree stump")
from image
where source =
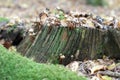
[(74, 41), (76, 44)]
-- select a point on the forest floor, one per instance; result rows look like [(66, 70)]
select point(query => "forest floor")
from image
[(28, 11)]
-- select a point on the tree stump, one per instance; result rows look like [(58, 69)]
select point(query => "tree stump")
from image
[(75, 37), (76, 44)]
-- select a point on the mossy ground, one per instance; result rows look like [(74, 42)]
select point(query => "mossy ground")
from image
[(2, 19), (15, 67)]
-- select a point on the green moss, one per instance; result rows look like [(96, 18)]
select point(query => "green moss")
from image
[(15, 67), (100, 50), (12, 28), (2, 19), (97, 2)]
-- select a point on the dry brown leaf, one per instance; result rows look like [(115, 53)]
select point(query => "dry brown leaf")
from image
[(118, 24), (12, 48), (97, 68), (111, 67), (95, 78), (73, 66), (7, 44), (90, 24), (63, 23), (43, 17), (106, 78), (2, 41)]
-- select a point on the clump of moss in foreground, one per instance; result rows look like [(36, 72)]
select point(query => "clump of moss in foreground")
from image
[(2, 19), (15, 67)]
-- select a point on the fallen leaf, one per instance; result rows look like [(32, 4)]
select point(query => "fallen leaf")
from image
[(12, 48), (73, 66), (111, 67), (2, 41), (106, 78), (95, 78), (97, 68)]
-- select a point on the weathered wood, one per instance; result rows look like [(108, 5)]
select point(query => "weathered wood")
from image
[(80, 43), (24, 45), (112, 44)]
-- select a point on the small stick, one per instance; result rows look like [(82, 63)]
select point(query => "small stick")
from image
[(110, 73)]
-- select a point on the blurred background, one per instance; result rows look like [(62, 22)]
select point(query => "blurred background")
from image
[(27, 9)]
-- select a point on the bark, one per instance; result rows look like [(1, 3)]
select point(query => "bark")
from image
[(80, 43)]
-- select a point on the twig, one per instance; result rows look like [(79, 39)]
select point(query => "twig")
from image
[(110, 73)]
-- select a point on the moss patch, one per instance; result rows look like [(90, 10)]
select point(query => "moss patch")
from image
[(2, 19), (15, 67)]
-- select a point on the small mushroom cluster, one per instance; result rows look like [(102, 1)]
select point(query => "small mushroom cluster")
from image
[(71, 19)]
